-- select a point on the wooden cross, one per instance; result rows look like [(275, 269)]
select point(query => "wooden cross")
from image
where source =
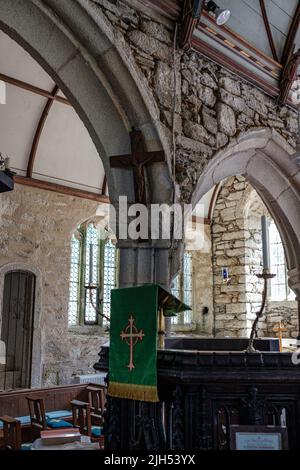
[(279, 329), (137, 160), (131, 335)]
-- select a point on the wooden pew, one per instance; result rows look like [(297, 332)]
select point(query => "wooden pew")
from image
[(13, 403)]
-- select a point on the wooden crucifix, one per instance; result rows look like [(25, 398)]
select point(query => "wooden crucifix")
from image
[(279, 329), (137, 160)]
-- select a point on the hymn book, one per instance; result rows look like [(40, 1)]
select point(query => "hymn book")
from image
[(60, 436)]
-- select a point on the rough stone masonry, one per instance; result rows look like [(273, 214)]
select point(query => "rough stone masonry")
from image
[(211, 105)]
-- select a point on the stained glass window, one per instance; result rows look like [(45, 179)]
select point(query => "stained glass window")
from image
[(93, 261), (91, 270), (187, 285), (279, 285), (74, 281), (182, 287), (109, 274)]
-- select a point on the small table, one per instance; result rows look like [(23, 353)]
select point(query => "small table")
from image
[(84, 444)]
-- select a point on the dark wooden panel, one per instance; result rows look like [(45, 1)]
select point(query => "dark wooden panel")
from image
[(171, 9), (203, 394), (14, 403), (17, 329)]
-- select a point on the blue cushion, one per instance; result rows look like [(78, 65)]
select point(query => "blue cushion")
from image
[(26, 446), (97, 431), (58, 423), (59, 414), (23, 420)]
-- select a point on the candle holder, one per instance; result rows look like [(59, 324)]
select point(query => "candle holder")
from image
[(265, 275), (91, 288)]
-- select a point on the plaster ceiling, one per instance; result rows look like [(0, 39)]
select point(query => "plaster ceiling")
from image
[(246, 20), (65, 153)]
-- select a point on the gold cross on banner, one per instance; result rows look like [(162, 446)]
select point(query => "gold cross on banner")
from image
[(131, 335), (279, 329)]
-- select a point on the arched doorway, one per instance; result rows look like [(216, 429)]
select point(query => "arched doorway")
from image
[(263, 158), (17, 324)]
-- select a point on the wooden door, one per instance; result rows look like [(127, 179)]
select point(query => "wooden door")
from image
[(17, 329)]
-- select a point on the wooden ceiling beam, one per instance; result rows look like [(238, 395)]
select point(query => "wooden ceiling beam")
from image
[(290, 60), (190, 17), (290, 40), (268, 29), (104, 185), (38, 132), (288, 77), (33, 89), (61, 189)]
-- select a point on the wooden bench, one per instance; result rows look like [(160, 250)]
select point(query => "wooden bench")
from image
[(14, 403)]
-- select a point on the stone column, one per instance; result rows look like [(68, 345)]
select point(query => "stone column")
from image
[(142, 263), (294, 283)]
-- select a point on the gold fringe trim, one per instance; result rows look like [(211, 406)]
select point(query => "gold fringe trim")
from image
[(133, 391)]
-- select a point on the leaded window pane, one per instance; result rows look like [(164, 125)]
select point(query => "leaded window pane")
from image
[(182, 288), (93, 261), (91, 271), (187, 285), (73, 311), (279, 286), (109, 275), (175, 289)]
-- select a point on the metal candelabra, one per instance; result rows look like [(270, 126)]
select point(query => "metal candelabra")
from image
[(91, 288), (265, 275)]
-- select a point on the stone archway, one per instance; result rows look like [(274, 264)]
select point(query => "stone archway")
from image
[(263, 157), (94, 68)]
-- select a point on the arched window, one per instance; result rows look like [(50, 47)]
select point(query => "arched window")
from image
[(93, 261), (182, 288), (279, 284)]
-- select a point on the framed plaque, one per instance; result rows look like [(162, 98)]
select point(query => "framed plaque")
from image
[(258, 438)]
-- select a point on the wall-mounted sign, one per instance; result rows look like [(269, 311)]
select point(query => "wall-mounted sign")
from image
[(258, 438)]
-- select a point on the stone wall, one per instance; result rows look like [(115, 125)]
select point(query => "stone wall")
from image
[(228, 247), (237, 244), (206, 105), (203, 286), (35, 230), (287, 313)]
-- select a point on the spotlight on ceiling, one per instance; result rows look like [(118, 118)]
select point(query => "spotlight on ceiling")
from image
[(222, 15)]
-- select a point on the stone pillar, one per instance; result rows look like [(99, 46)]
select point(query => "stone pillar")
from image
[(147, 263), (294, 283), (144, 263)]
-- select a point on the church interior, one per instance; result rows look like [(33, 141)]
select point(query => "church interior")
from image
[(176, 102)]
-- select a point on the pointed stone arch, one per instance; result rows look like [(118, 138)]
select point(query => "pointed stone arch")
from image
[(264, 158), (94, 68)]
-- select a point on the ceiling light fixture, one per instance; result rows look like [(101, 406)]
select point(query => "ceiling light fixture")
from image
[(222, 15)]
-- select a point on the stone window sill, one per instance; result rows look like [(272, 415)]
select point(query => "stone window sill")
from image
[(184, 328), (282, 303), (90, 330)]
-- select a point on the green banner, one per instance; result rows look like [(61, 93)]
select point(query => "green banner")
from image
[(133, 343)]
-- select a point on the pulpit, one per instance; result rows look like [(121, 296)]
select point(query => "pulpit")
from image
[(204, 392)]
